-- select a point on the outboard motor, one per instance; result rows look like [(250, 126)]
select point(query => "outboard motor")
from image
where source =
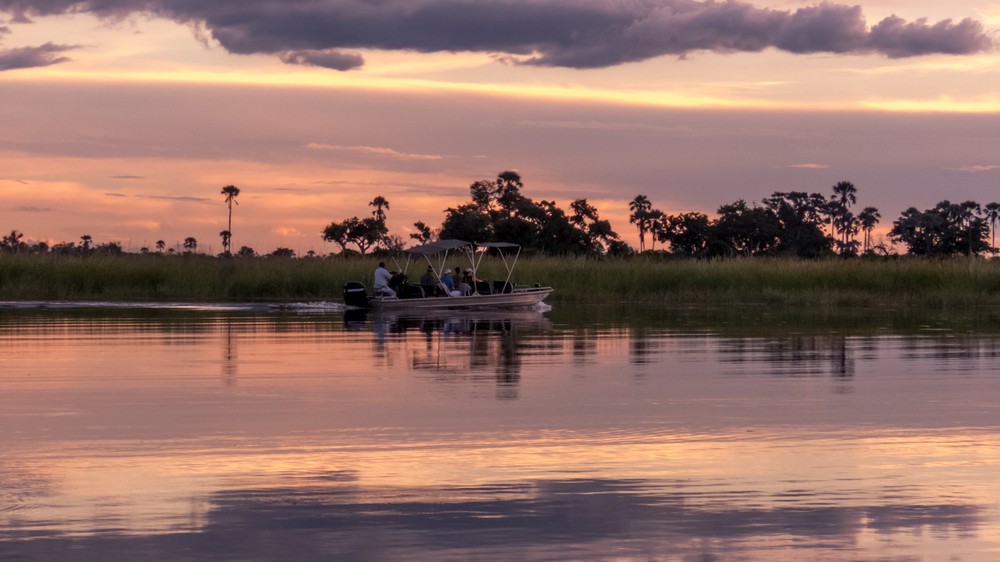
[(355, 294)]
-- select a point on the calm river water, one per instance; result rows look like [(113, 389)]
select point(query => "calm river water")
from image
[(597, 433)]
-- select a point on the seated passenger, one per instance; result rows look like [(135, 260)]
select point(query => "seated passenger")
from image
[(448, 282), (465, 286), (397, 281)]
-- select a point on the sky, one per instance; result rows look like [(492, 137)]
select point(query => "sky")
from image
[(123, 119)]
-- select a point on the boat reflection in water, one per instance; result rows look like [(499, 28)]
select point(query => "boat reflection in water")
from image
[(455, 345)]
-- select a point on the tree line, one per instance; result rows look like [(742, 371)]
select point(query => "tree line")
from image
[(792, 223)]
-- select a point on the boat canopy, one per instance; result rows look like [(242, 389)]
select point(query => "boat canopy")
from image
[(436, 254), (439, 246), (504, 249)]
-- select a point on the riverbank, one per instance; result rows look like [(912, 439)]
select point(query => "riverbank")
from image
[(198, 278)]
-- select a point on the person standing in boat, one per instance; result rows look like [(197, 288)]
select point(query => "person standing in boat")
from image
[(382, 278), (428, 278)]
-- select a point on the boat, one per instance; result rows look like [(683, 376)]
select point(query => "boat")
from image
[(499, 294)]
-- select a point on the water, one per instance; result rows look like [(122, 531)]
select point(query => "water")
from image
[(592, 433)]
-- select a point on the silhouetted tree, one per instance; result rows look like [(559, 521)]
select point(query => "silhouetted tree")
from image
[(598, 233), (381, 206), (467, 222), (190, 244), (339, 232), (281, 252), (11, 243), (689, 234), (640, 207), (800, 217), (246, 252), (745, 230), (947, 229), (841, 217), (161, 246), (424, 234), (231, 192), (109, 249), (868, 218), (85, 241), (225, 235), (993, 216)]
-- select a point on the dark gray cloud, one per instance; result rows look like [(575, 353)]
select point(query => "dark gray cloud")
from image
[(30, 57), (897, 38), (335, 60), (580, 34)]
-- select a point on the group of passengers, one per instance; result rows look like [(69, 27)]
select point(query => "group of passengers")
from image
[(389, 283), (454, 285)]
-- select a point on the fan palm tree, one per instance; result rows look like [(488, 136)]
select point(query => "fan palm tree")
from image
[(231, 192), (993, 215), (844, 195), (868, 218), (379, 203), (640, 217), (226, 235)]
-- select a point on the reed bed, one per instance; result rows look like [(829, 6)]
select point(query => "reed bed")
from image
[(196, 278)]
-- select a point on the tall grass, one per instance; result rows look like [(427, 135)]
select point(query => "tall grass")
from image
[(854, 282), (834, 282)]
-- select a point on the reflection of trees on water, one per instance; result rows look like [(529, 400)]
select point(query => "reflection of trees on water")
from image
[(959, 351), (460, 347), (836, 355), (795, 356), (229, 359)]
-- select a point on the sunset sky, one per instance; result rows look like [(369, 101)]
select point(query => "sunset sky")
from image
[(123, 119)]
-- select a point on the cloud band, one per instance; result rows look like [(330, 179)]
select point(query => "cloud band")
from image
[(579, 34)]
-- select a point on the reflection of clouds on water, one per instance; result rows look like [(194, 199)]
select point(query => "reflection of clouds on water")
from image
[(591, 518)]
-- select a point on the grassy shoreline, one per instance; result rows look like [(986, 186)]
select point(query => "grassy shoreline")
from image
[(834, 282)]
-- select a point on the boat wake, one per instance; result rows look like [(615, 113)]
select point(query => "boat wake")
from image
[(322, 306), (205, 307)]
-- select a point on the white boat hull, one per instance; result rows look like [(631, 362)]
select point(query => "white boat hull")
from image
[(519, 298)]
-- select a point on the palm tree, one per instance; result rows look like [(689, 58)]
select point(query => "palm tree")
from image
[(657, 226), (844, 195), (231, 192), (226, 235), (868, 218), (379, 203), (993, 215), (640, 207)]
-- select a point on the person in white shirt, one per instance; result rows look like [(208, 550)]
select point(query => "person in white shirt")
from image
[(382, 277)]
